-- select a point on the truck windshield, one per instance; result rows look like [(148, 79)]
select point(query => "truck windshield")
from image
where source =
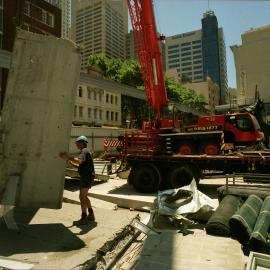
[(244, 123), (255, 122)]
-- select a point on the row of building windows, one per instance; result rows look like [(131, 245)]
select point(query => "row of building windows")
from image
[(177, 60), (91, 94), (46, 17), (95, 114)]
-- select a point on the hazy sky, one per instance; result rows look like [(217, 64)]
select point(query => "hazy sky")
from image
[(234, 16)]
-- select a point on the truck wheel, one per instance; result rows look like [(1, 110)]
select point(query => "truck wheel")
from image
[(209, 148), (181, 176), (185, 148), (145, 178)]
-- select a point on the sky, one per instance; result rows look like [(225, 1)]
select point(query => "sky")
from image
[(234, 16)]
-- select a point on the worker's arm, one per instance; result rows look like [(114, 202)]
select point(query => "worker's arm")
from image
[(73, 161)]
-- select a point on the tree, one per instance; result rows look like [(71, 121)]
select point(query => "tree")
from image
[(128, 72)]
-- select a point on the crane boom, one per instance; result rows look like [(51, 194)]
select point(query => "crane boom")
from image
[(147, 43)]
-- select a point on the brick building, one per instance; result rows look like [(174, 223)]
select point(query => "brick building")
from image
[(36, 16)]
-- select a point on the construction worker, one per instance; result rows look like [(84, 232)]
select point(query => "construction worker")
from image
[(85, 165)]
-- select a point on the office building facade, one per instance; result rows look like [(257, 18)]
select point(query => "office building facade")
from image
[(132, 52), (65, 6), (200, 54), (100, 26), (252, 64)]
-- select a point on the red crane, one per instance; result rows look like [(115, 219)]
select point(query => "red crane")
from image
[(147, 43)]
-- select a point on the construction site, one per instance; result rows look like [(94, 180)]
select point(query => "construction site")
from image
[(185, 188)]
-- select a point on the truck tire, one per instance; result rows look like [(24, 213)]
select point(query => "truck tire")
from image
[(181, 176), (145, 178), (185, 148), (210, 147)]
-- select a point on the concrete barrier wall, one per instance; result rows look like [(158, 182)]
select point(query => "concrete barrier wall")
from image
[(37, 116)]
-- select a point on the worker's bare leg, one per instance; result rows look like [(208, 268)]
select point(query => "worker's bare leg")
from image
[(85, 202)]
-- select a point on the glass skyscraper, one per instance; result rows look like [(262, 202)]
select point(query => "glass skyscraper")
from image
[(211, 51), (200, 54)]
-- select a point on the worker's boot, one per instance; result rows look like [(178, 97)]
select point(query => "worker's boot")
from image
[(82, 221), (91, 216)]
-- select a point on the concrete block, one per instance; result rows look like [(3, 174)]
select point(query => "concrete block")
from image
[(37, 117)]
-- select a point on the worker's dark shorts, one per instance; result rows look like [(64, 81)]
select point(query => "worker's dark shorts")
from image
[(86, 181)]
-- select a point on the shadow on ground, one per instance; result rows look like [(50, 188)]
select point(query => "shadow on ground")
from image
[(209, 190), (38, 238)]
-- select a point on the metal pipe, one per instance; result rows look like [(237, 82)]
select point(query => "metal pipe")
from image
[(122, 251)]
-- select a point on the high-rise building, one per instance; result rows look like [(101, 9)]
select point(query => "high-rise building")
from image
[(200, 54), (184, 53), (252, 64), (65, 6), (213, 49), (132, 52), (100, 26)]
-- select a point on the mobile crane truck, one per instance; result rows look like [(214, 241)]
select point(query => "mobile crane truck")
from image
[(164, 153)]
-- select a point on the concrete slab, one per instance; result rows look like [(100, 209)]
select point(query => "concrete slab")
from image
[(172, 250), (48, 239), (117, 191)]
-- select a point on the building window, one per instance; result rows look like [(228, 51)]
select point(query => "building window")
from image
[(174, 66), (89, 113), (173, 56), (112, 114), (116, 116), (75, 111), (100, 96), (107, 115), (80, 111), (185, 49), (186, 53), (26, 8), (107, 98), (186, 64), (116, 100), (95, 113), (47, 18), (197, 47), (100, 114), (88, 93), (186, 43), (111, 99), (173, 61), (95, 95), (173, 51), (80, 91), (173, 46)]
